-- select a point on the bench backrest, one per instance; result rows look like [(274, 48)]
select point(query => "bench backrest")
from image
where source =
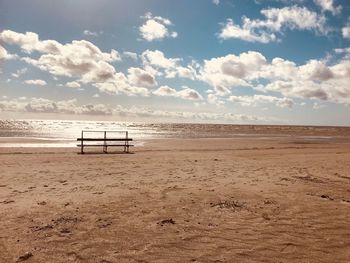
[(102, 136)]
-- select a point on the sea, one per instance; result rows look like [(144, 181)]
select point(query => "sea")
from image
[(63, 133)]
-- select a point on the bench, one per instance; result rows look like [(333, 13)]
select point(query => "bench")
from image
[(105, 141)]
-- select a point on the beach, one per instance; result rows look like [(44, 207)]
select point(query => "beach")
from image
[(178, 200)]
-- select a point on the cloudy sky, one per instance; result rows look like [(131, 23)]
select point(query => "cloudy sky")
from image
[(223, 61)]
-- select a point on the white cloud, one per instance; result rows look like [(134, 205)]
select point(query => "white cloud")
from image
[(276, 21), (91, 33), (83, 60), (19, 73), (189, 94), (258, 99), (171, 66), (165, 91), (77, 59), (316, 79), (346, 31), (158, 59), (156, 28), (120, 84), (131, 55), (73, 84), (215, 99), (216, 2), (328, 5), (316, 70), (141, 78), (4, 54), (185, 93), (246, 32), (37, 82), (26, 41), (225, 72), (343, 51)]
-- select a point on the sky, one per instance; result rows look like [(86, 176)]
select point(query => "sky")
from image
[(208, 61)]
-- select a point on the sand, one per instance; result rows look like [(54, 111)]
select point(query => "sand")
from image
[(198, 200)]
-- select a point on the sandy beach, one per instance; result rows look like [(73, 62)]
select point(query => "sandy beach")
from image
[(178, 200)]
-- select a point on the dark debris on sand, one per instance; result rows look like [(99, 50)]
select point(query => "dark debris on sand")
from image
[(24, 257), (228, 204), (327, 197), (166, 221)]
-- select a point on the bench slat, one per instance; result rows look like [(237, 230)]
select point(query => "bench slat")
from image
[(101, 145), (102, 140)]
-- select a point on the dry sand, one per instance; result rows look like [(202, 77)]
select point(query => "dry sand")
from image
[(200, 200)]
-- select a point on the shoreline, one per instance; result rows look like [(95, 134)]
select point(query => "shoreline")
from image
[(38, 142)]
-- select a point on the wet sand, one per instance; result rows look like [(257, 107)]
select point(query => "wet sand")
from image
[(194, 200)]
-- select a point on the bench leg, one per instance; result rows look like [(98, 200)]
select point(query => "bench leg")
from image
[(105, 149)]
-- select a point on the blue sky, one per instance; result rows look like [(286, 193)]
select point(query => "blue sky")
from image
[(237, 61)]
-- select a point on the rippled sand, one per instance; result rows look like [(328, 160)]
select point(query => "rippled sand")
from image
[(200, 200)]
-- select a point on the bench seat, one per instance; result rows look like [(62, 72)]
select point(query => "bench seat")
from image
[(107, 139), (101, 145)]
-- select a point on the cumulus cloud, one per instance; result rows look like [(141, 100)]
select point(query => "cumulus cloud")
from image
[(229, 71), (37, 82), (316, 70), (185, 93), (158, 59), (258, 99), (245, 32), (316, 79), (213, 98), (156, 28), (171, 66), (73, 84), (216, 2), (189, 94), (120, 84), (82, 60), (328, 5), (276, 20), (4, 54), (141, 78), (165, 91), (77, 59)]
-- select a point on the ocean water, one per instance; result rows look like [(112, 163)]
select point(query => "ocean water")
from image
[(63, 133)]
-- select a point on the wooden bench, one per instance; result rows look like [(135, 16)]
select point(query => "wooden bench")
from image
[(104, 142)]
